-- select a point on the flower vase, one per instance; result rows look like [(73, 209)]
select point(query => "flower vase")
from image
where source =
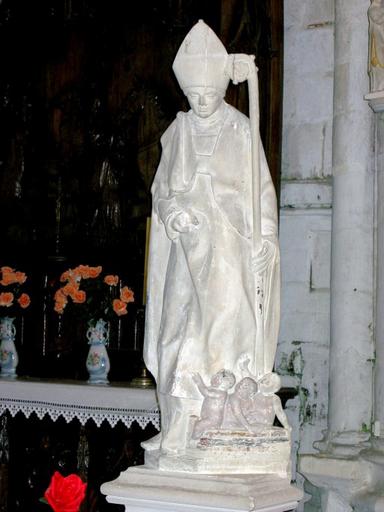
[(97, 360), (8, 353)]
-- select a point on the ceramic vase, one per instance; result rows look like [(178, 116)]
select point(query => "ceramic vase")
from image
[(8, 353), (98, 364)]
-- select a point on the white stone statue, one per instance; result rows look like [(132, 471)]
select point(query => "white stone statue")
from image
[(376, 45), (214, 277)]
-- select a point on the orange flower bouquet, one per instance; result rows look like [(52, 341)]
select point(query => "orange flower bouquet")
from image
[(94, 293), (100, 298), (12, 301), (12, 298)]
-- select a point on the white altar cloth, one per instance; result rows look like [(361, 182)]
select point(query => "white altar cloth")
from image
[(74, 399)]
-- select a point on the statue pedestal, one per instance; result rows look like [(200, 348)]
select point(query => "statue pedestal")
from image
[(141, 489), (233, 452)]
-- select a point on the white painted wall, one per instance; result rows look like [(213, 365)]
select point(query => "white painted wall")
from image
[(305, 215)]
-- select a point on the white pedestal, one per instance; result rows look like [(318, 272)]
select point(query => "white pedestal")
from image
[(230, 452), (141, 489), (347, 483)]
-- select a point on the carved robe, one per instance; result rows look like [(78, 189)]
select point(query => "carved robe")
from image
[(201, 290)]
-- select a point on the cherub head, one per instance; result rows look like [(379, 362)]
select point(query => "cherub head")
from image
[(246, 388), (224, 379), (269, 384)]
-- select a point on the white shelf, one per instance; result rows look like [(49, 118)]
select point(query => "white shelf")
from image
[(73, 399)]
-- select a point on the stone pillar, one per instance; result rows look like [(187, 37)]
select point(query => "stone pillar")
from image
[(376, 101), (351, 351), (379, 366), (348, 477)]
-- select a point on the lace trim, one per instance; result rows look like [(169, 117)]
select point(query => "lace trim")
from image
[(81, 412)]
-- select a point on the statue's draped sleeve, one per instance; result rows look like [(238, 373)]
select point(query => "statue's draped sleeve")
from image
[(160, 244)]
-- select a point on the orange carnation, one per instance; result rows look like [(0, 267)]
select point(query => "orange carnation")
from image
[(126, 295), (24, 300), (79, 296), (119, 307), (65, 276), (82, 271), (60, 301), (9, 277), (70, 289), (20, 277), (95, 271), (59, 296), (111, 280), (6, 269), (59, 307), (6, 299)]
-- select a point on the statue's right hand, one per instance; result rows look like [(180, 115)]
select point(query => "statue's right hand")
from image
[(184, 222)]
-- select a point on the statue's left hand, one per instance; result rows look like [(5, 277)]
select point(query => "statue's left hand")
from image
[(260, 262)]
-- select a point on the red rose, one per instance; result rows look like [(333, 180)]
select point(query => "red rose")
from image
[(65, 494)]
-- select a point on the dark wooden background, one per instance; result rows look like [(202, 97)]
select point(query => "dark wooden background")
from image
[(86, 91)]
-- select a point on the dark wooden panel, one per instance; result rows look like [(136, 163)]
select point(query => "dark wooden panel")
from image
[(31, 450)]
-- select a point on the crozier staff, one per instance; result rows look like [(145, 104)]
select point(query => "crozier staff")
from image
[(241, 67)]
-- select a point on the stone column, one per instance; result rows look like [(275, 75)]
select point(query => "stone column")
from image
[(379, 366), (345, 475), (351, 351), (376, 101)]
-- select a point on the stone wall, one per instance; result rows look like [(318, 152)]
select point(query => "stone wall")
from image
[(305, 217)]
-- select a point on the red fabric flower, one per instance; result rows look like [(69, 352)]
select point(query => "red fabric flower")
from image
[(65, 494)]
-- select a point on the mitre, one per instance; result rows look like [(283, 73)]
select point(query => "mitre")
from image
[(201, 59)]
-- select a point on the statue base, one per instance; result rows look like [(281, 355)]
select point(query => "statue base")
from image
[(230, 452), (141, 489)]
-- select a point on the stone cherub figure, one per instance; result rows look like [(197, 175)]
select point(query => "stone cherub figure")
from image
[(215, 399), (252, 406), (240, 405), (213, 277), (258, 402)]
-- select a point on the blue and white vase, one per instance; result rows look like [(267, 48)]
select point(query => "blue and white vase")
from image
[(8, 354), (98, 364)]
